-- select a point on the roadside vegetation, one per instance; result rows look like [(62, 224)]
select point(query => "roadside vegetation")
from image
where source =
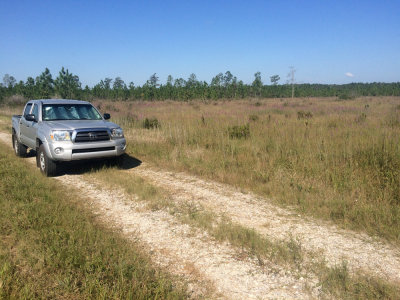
[(51, 247)]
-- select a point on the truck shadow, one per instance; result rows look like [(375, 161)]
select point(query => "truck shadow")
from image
[(126, 162)]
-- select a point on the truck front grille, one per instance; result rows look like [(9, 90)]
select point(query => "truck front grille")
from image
[(92, 150), (92, 136)]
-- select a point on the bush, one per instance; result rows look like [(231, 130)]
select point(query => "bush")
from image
[(239, 131), (15, 101), (253, 118), (304, 115), (346, 97), (151, 123)]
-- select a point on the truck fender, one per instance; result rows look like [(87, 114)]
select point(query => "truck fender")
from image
[(43, 141), (14, 133)]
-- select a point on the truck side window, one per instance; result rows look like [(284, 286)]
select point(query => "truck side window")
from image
[(35, 112), (27, 109)]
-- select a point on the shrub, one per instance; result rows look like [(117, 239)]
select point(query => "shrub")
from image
[(15, 100), (253, 118), (151, 123), (239, 131), (304, 115), (346, 97)]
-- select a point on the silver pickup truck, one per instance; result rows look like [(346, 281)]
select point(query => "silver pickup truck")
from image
[(65, 130)]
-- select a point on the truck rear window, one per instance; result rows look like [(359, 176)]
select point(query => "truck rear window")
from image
[(53, 112)]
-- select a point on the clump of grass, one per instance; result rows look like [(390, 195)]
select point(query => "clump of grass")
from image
[(151, 123), (304, 115), (253, 118), (361, 118), (341, 285), (332, 124), (51, 247), (239, 131)]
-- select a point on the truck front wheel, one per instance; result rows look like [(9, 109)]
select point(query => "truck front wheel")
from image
[(47, 166), (20, 149)]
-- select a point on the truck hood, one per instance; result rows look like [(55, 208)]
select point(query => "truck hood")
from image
[(79, 124)]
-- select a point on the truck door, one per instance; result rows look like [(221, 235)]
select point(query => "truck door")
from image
[(23, 124), (31, 130)]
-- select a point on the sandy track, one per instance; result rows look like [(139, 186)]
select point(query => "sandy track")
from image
[(359, 250), (186, 251)]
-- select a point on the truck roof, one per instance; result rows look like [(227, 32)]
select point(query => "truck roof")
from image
[(59, 101)]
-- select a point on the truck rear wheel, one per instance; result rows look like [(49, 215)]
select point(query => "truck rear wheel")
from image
[(19, 149), (47, 166)]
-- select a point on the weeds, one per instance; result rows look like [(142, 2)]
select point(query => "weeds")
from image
[(361, 118), (253, 118), (151, 123), (239, 131), (346, 97), (304, 115)]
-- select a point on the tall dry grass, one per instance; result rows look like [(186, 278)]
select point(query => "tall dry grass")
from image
[(336, 160)]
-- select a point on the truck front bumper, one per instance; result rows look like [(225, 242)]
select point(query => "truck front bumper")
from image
[(67, 151)]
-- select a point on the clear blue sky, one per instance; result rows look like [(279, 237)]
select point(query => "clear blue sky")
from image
[(322, 39)]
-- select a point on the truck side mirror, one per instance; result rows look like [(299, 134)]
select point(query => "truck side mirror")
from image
[(107, 116), (30, 117)]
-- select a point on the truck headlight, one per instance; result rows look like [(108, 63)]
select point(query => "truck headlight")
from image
[(60, 135), (117, 133)]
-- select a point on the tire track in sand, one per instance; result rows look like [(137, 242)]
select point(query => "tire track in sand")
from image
[(361, 252)]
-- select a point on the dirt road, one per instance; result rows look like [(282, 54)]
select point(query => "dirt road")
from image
[(359, 250), (217, 269), (210, 267)]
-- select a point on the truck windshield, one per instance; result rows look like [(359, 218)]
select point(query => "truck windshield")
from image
[(53, 112)]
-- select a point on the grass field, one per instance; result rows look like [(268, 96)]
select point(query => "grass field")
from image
[(335, 160), (52, 248)]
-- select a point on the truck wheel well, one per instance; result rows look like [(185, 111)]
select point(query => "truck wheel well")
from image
[(38, 143)]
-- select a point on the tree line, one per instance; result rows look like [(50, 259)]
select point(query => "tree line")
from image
[(222, 86)]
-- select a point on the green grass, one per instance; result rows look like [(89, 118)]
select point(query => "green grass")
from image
[(334, 281), (334, 160), (52, 247)]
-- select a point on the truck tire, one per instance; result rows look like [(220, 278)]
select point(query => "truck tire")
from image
[(19, 149), (47, 166)]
